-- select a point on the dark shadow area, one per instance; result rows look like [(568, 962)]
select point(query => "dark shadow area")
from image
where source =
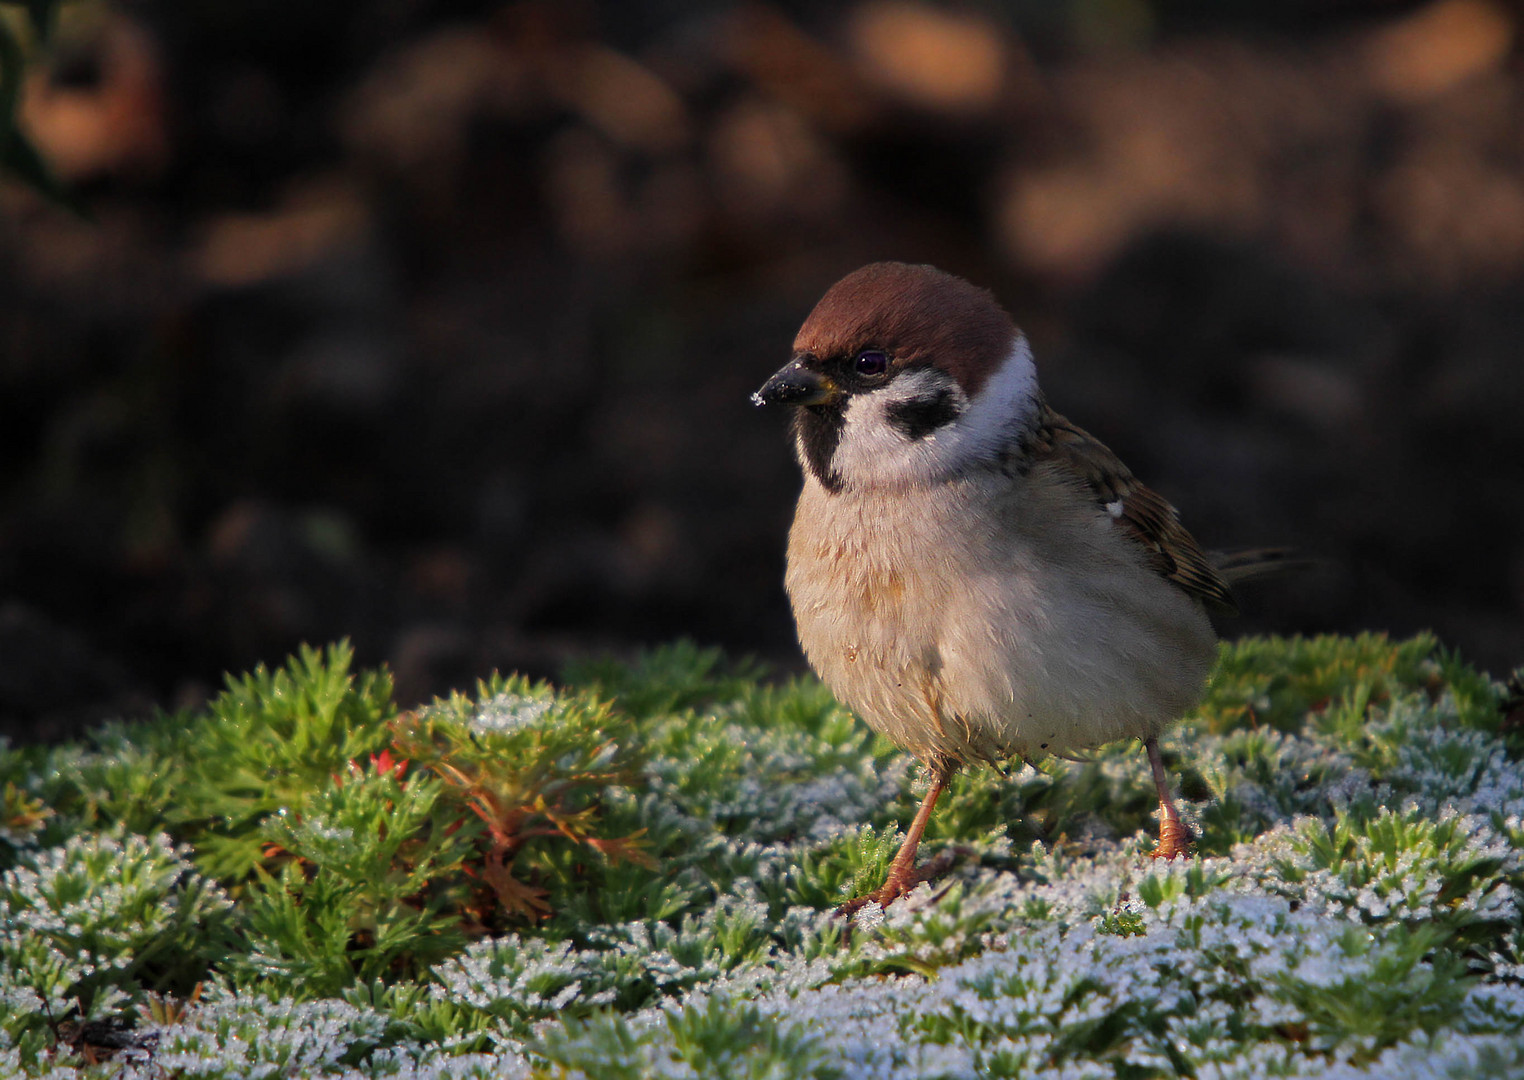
[(433, 325)]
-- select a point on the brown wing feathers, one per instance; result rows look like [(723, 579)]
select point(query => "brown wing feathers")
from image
[(1141, 512)]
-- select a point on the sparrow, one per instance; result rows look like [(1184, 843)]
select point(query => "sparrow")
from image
[(974, 575)]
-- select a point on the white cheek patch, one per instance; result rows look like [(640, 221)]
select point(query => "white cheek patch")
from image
[(874, 451)]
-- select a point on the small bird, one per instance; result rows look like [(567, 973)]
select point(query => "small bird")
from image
[(975, 576)]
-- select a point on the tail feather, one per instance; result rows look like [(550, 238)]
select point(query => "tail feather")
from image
[(1251, 564)]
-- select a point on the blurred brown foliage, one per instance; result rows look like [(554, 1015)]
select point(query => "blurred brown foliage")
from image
[(433, 324)]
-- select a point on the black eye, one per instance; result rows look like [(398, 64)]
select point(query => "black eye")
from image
[(871, 362)]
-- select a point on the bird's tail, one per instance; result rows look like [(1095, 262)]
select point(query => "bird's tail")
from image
[(1251, 564)]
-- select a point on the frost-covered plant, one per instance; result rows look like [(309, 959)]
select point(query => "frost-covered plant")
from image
[(1449, 872), (534, 769), (251, 1035), (634, 875), (88, 927), (1229, 985), (519, 982)]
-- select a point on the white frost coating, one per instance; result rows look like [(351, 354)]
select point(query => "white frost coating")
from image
[(1022, 970), (253, 1036), (512, 712)]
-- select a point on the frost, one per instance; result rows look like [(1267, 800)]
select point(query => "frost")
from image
[(253, 1036), (512, 712), (1353, 909)]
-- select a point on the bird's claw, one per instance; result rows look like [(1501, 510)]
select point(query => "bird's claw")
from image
[(899, 883), (1174, 839)]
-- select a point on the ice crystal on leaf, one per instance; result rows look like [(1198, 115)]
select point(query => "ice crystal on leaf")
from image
[(509, 711)]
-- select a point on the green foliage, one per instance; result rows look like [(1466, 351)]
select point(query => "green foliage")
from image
[(373, 885), (265, 746), (1276, 682), (272, 740), (850, 864), (718, 1039), (671, 679), (122, 781), (636, 876), (22, 816)]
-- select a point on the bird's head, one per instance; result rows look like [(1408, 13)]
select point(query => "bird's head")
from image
[(904, 375)]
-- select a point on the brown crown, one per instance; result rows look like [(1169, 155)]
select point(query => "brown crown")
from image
[(918, 314)]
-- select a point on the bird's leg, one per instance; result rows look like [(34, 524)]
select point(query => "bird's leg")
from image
[(1174, 837), (903, 875)]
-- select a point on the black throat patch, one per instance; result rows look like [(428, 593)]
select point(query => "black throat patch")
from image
[(919, 417), (818, 429)]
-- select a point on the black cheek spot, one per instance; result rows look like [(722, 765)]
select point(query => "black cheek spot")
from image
[(919, 417), (819, 430)]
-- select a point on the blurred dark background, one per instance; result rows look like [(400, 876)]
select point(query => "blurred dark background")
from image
[(432, 323)]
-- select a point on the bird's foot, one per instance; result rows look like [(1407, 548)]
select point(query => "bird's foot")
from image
[(1174, 839), (899, 883)]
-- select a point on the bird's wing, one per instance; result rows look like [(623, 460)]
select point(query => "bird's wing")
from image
[(1142, 513)]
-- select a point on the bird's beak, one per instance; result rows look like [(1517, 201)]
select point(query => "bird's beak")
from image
[(797, 383)]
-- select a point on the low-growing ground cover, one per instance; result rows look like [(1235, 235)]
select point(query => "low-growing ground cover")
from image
[(633, 874)]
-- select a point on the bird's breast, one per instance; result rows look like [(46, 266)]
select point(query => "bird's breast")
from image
[(960, 634), (870, 586)]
